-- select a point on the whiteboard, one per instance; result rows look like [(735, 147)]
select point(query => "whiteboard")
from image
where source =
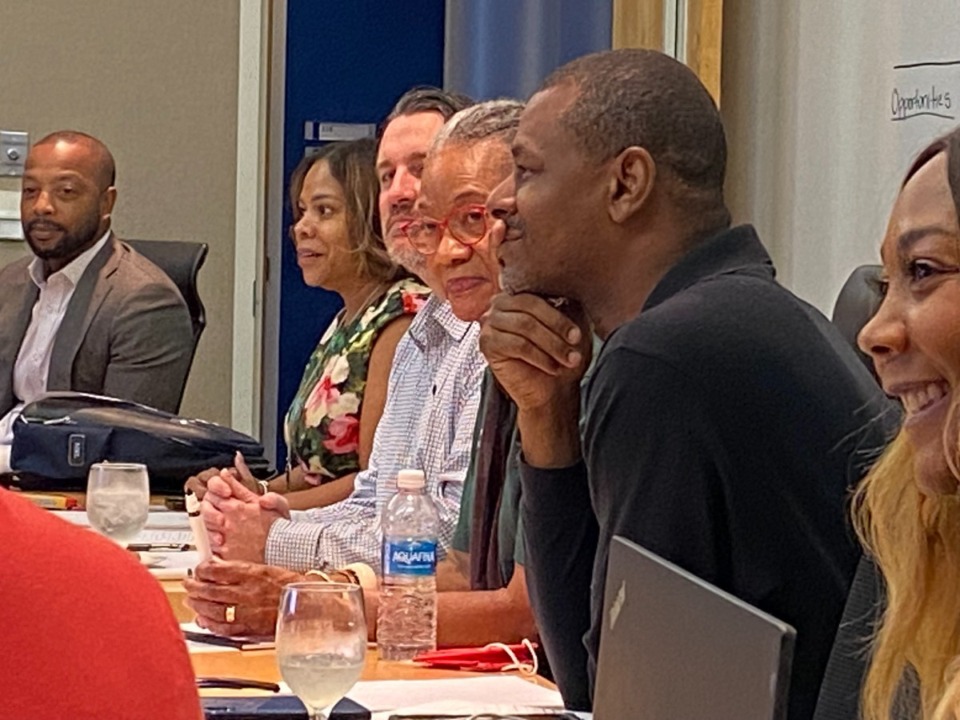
[(923, 74), (826, 102)]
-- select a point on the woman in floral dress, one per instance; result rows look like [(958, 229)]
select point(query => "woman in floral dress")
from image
[(330, 424)]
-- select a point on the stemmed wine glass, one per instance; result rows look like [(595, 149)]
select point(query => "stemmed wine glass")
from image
[(321, 642), (118, 499)]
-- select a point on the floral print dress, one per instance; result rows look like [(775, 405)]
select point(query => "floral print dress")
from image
[(322, 428)]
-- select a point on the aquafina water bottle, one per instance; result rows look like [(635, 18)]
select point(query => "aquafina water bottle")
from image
[(407, 614)]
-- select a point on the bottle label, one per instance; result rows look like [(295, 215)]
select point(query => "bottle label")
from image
[(410, 557)]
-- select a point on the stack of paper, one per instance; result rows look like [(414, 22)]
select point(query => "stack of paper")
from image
[(455, 696), (163, 526)]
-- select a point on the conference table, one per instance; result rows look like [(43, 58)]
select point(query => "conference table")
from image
[(262, 665)]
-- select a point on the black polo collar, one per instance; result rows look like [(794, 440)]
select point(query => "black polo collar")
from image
[(736, 250)]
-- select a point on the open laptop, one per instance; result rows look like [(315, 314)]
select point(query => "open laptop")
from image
[(674, 647)]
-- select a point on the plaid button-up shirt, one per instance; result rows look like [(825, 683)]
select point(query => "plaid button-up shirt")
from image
[(427, 424)]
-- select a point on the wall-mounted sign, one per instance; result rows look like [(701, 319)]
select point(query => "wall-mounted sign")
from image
[(317, 131)]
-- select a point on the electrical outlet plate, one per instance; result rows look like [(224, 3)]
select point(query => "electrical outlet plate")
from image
[(13, 152)]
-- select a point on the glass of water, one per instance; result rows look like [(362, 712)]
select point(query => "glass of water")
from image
[(321, 642), (118, 499)]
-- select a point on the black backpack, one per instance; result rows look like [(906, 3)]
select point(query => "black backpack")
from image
[(59, 436)]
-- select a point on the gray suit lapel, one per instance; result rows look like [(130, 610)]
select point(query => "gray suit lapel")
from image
[(13, 326), (93, 287)]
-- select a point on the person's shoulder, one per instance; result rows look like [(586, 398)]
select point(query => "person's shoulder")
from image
[(60, 574), (413, 293), (138, 271), (62, 544), (137, 282), (722, 312), (404, 297), (16, 269)]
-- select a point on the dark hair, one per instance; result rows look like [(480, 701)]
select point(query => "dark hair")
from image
[(106, 167), (949, 144), (426, 98), (645, 98), (352, 165)]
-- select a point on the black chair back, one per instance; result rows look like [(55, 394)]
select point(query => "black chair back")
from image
[(857, 302), (181, 261)]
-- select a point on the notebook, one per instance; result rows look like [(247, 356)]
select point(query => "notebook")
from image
[(674, 647)]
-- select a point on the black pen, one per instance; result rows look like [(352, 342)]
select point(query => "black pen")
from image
[(215, 639), (153, 547), (237, 684)]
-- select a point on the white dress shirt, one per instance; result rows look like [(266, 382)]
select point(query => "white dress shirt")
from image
[(32, 368)]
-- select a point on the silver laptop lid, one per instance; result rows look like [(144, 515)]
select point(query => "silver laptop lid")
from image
[(674, 647)]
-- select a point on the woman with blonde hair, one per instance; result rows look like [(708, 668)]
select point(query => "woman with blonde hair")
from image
[(907, 511)]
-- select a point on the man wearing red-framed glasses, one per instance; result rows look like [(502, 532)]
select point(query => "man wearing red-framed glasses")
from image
[(483, 585), (469, 158)]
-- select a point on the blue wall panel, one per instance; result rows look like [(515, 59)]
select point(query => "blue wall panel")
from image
[(346, 62), (505, 48)]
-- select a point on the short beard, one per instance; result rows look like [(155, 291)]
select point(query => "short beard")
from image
[(408, 258), (71, 244)]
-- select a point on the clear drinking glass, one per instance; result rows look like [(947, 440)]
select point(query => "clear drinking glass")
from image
[(321, 642), (118, 499)]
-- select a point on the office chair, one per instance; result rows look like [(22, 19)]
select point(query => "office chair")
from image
[(181, 261), (857, 302)]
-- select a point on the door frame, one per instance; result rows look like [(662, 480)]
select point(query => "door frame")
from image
[(689, 30), (261, 43)]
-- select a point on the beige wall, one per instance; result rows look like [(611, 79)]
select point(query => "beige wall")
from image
[(157, 82)]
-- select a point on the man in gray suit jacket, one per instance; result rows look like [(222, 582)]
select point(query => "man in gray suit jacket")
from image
[(86, 312)]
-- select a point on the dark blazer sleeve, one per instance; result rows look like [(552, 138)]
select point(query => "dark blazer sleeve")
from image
[(151, 343), (151, 347), (17, 299), (126, 333)]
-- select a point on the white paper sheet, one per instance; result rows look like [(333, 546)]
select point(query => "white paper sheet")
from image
[(468, 695), (170, 565), (163, 526), (157, 519), (457, 709)]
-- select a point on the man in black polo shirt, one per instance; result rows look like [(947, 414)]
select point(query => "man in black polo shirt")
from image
[(726, 419)]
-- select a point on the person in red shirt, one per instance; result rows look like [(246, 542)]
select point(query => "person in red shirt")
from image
[(87, 632)]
